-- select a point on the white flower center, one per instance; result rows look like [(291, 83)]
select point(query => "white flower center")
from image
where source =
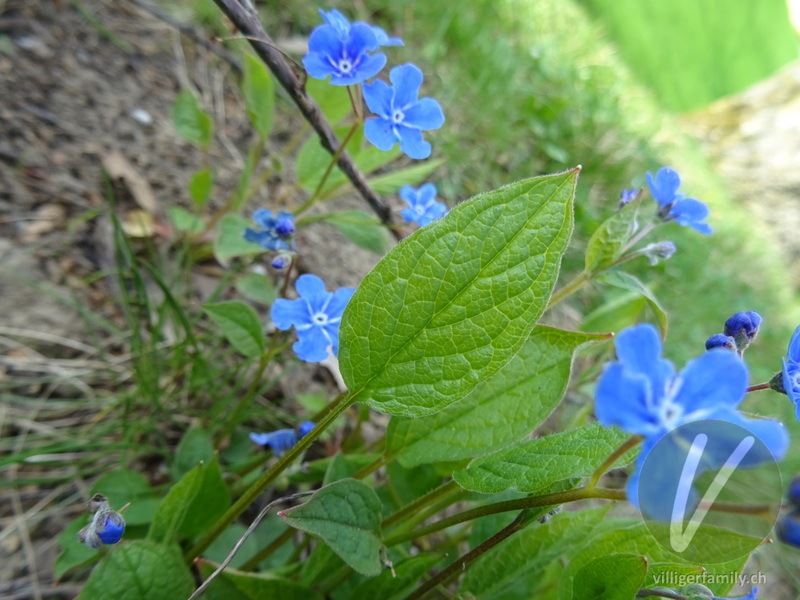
[(320, 319), (420, 209), (398, 116), (345, 66)]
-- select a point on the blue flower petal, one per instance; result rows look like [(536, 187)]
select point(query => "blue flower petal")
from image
[(305, 428), (338, 302), (312, 288), (384, 39), (380, 133), (426, 114), (664, 186), (325, 41), (263, 218), (639, 350), (378, 96), (771, 433), (336, 20), (285, 313), (360, 39), (794, 346), (412, 144), (312, 344), (625, 399), (716, 379), (657, 492), (317, 66), (406, 79), (426, 193)]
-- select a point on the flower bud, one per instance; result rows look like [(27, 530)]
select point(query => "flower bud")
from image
[(720, 340), (743, 328), (658, 251), (788, 529), (106, 526), (627, 196), (793, 493)]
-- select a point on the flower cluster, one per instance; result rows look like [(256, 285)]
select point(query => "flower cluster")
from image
[(347, 53), (422, 205), (315, 315), (642, 394), (738, 333), (282, 440), (674, 206), (106, 526), (275, 232)]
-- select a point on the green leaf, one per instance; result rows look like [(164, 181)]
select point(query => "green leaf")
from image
[(240, 324), (232, 584), (122, 487), (615, 314), (259, 95), (190, 121), (140, 569), (200, 186), (211, 501), (454, 302), (533, 465), (615, 577), (623, 537), (362, 229), (333, 100), (183, 220), (74, 554), (257, 287), (667, 573), (626, 281), (174, 507), (195, 446), (230, 242), (390, 585), (528, 552), (608, 241), (499, 411), (391, 182), (347, 515)]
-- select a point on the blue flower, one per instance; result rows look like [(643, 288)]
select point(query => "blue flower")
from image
[(106, 526), (720, 340), (791, 370), (642, 394), (339, 22), (282, 440), (402, 117), (422, 205), (788, 529), (674, 206), (793, 493), (341, 50), (273, 231), (315, 316)]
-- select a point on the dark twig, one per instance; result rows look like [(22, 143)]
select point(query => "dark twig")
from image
[(247, 22)]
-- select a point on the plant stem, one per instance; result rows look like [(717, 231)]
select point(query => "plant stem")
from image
[(342, 403), (460, 565), (581, 493), (334, 160), (569, 289), (607, 463), (758, 386), (443, 490)]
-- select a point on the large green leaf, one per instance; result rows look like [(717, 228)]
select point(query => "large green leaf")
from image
[(499, 411), (623, 537), (211, 501), (528, 552), (234, 585), (455, 301), (140, 569), (533, 465), (240, 325), (347, 515), (609, 239), (614, 577), (191, 123), (259, 95)]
